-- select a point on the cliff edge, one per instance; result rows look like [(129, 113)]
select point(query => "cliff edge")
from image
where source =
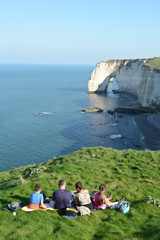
[(141, 76)]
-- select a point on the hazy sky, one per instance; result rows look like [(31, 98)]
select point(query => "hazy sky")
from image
[(78, 31)]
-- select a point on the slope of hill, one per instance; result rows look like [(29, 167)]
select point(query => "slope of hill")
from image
[(129, 173)]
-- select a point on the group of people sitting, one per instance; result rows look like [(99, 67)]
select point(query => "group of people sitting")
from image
[(63, 198)]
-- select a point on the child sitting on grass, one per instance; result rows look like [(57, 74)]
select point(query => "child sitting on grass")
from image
[(102, 202), (36, 199)]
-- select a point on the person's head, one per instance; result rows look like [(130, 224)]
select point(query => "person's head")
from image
[(102, 188), (78, 186), (38, 188), (62, 183)]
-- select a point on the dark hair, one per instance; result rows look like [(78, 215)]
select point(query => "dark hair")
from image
[(61, 182), (102, 188), (78, 185), (38, 187)]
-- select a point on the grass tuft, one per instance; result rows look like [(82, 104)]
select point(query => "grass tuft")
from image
[(154, 63)]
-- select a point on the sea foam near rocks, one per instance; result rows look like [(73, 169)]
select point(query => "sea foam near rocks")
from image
[(114, 136), (43, 113)]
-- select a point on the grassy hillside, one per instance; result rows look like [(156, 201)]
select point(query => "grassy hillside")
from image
[(133, 174), (154, 63)]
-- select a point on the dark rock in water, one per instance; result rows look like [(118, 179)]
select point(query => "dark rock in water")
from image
[(138, 146), (127, 110), (101, 136), (90, 110), (114, 114), (111, 111), (133, 110), (115, 91)]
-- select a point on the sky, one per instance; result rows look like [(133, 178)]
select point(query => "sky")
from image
[(78, 32)]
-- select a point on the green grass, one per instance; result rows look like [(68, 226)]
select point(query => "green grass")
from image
[(154, 63), (129, 173)]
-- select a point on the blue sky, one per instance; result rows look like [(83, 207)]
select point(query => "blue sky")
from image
[(78, 32)]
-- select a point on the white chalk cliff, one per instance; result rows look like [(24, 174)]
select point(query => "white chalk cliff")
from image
[(132, 76)]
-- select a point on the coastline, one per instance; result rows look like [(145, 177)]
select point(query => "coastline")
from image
[(149, 125)]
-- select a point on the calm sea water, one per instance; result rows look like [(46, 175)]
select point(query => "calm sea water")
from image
[(58, 92)]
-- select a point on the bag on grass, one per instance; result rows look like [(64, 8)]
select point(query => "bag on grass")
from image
[(123, 207), (84, 211), (14, 206), (70, 212)]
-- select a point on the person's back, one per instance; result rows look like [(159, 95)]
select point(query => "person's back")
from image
[(83, 197), (62, 197), (96, 203), (101, 201), (36, 199)]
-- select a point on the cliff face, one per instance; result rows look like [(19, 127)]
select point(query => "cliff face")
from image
[(132, 76), (149, 89)]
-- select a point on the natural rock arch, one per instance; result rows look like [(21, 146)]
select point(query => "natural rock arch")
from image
[(132, 76), (104, 85)]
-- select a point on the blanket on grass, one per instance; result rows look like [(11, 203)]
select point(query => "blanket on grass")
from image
[(26, 209)]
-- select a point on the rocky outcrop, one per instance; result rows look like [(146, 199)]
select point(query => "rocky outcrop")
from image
[(92, 110), (132, 76)]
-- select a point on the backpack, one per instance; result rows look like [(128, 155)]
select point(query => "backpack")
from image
[(14, 206), (123, 207), (70, 212), (84, 211)]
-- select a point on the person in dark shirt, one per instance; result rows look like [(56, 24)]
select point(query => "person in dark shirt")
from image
[(62, 197)]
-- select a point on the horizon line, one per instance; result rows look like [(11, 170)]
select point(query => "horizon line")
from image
[(1, 63)]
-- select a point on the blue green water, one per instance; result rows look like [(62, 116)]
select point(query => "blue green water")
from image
[(58, 91)]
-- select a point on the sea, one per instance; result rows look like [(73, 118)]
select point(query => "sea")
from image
[(40, 114)]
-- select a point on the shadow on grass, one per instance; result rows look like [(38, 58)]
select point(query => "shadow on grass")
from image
[(16, 198), (7, 185), (148, 233), (4, 202), (102, 234), (24, 201), (138, 202)]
